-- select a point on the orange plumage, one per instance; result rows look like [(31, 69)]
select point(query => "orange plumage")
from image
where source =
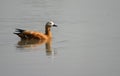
[(27, 34)]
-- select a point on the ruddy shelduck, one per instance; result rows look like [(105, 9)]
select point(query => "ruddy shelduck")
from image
[(29, 35)]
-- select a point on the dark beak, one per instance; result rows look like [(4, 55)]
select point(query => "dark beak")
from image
[(54, 25)]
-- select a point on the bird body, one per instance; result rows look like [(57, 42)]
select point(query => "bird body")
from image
[(27, 34)]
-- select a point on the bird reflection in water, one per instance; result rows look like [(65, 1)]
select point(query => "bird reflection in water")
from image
[(24, 43)]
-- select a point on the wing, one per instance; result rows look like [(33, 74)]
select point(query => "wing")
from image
[(26, 34)]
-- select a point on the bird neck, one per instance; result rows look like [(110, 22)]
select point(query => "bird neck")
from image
[(48, 32)]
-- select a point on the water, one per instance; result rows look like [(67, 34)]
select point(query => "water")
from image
[(86, 42)]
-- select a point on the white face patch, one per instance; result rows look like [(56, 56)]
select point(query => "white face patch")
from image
[(50, 23)]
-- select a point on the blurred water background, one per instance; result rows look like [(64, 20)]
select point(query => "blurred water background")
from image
[(85, 43)]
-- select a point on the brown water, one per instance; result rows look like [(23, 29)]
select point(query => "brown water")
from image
[(86, 42)]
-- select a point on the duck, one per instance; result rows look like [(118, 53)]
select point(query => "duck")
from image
[(35, 35)]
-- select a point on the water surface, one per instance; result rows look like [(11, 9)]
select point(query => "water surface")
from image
[(86, 42)]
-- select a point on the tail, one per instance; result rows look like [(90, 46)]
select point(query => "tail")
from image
[(19, 31)]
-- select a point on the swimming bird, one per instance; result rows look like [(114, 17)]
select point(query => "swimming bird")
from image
[(29, 35)]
